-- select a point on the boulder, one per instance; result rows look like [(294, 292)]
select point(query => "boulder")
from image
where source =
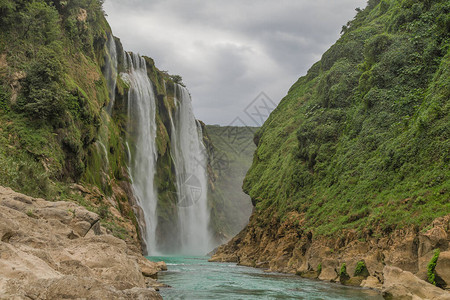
[(162, 266), (434, 238), (403, 254), (56, 250), (443, 268), (403, 285), (371, 282), (329, 267), (148, 268), (152, 283)]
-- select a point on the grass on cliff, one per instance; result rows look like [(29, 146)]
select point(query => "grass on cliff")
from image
[(52, 91), (363, 140)]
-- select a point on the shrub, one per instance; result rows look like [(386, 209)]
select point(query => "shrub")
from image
[(319, 268), (343, 275), (361, 269), (431, 274), (44, 97)]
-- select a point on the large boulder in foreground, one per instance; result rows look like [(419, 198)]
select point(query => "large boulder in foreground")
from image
[(443, 268), (59, 250), (403, 285)]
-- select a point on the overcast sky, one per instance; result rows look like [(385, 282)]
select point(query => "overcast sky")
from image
[(228, 52)]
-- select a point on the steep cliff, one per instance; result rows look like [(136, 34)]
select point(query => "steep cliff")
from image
[(353, 165), (66, 129), (59, 250)]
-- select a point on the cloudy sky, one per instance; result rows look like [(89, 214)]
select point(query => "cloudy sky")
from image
[(229, 52)]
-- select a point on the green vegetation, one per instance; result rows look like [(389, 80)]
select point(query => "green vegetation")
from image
[(343, 275), (362, 141), (361, 269), (319, 268), (52, 90), (431, 274), (230, 161)]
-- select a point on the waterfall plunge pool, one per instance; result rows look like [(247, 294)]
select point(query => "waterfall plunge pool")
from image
[(195, 278)]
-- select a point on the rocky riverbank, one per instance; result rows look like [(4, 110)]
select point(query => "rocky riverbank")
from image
[(56, 250), (396, 264)]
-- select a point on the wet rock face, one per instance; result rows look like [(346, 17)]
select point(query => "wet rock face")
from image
[(285, 248), (55, 250)]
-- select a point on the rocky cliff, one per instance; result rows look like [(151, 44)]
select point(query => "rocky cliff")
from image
[(64, 115), (56, 250), (351, 169)]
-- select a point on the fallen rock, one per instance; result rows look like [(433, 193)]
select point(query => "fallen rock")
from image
[(152, 283), (443, 268), (403, 285), (162, 266), (148, 268), (329, 273), (57, 250), (371, 282)]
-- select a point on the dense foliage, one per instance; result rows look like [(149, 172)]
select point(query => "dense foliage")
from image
[(52, 90), (431, 273), (363, 140)]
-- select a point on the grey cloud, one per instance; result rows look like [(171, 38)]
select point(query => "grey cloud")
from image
[(229, 51)]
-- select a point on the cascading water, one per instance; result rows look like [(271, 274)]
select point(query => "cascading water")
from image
[(141, 139), (187, 150), (111, 71), (189, 156)]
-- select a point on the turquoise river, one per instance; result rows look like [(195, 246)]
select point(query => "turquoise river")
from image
[(196, 278)]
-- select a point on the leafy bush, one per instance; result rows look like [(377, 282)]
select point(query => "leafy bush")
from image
[(361, 269), (431, 274), (44, 97), (343, 275)]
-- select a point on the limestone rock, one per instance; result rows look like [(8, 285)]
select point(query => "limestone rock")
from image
[(403, 285), (152, 283), (149, 268), (403, 254), (162, 266), (371, 282), (223, 257), (56, 250), (443, 268), (329, 273)]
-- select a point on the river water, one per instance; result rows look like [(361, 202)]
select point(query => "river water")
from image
[(196, 278)]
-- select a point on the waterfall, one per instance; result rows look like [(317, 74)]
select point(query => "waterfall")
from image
[(141, 140), (189, 162), (190, 159), (111, 71)]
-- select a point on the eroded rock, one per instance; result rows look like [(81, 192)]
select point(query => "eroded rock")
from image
[(56, 250), (403, 285), (443, 268)]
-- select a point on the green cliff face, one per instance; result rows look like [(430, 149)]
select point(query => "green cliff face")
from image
[(57, 139), (363, 140), (52, 99)]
